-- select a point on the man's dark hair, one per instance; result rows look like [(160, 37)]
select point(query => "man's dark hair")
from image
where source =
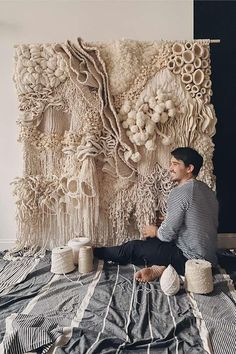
[(189, 156)]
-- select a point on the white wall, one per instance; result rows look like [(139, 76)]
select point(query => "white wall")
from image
[(56, 21)]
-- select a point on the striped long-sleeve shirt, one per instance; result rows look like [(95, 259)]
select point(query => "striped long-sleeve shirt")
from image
[(192, 220)]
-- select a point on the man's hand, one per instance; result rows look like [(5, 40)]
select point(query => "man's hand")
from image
[(150, 231), (160, 220)]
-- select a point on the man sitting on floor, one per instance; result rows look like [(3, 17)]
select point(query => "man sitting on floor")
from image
[(189, 230)]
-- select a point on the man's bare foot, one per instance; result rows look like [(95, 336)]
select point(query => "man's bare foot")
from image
[(149, 274)]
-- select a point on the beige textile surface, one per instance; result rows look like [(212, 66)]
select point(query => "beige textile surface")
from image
[(97, 122)]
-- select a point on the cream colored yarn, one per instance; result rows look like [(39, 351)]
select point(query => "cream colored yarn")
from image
[(198, 276), (62, 260), (169, 282), (76, 244), (85, 259)]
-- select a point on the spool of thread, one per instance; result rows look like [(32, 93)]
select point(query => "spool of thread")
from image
[(85, 259), (169, 282), (62, 260), (76, 244), (198, 276)]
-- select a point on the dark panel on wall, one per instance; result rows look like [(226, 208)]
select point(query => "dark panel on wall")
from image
[(217, 20)]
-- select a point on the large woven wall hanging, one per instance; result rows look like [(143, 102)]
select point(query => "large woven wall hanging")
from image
[(97, 123)]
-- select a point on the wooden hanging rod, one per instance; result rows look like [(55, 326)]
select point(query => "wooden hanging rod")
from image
[(211, 40), (214, 41)]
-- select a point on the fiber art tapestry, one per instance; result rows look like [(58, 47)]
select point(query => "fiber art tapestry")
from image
[(97, 124)]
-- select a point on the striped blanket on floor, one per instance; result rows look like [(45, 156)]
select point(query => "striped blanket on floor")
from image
[(107, 311)]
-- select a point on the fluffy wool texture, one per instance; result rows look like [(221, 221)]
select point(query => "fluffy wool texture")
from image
[(97, 123), (169, 282)]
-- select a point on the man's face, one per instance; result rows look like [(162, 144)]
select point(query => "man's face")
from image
[(178, 171)]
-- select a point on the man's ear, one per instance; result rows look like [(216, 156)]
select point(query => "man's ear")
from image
[(190, 168)]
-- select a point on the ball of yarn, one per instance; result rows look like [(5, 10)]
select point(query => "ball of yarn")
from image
[(198, 276), (169, 281), (62, 260), (85, 259), (76, 244)]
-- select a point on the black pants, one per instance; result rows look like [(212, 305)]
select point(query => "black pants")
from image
[(144, 252)]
